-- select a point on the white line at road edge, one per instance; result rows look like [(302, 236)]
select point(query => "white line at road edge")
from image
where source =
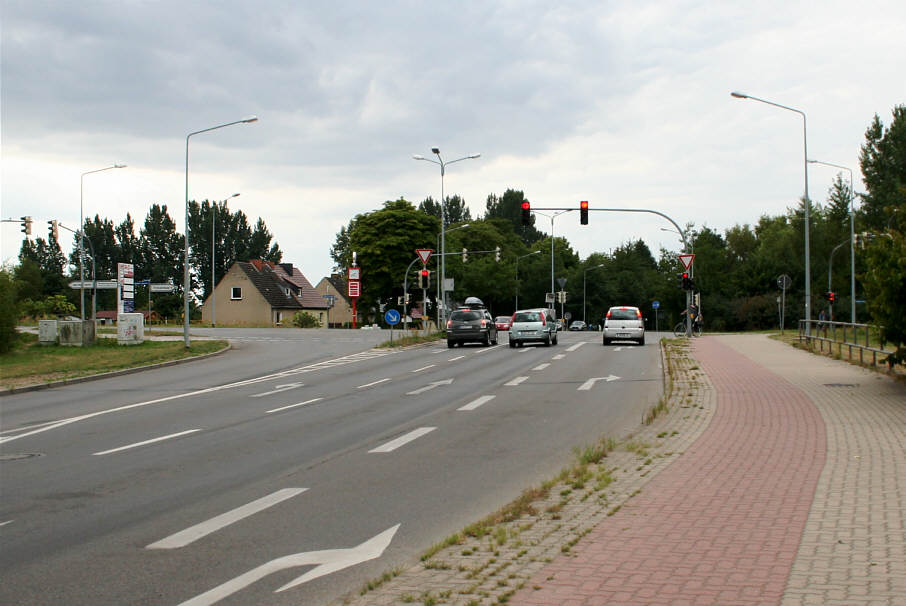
[(193, 533), (542, 366), (293, 405), (146, 442), (476, 403), (372, 383), (402, 440), (576, 346), (516, 381)]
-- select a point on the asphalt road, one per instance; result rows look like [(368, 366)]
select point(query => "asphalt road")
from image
[(290, 471)]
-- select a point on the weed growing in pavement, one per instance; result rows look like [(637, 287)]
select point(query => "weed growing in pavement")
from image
[(375, 583)]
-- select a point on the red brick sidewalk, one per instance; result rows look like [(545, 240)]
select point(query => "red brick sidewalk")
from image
[(723, 524)]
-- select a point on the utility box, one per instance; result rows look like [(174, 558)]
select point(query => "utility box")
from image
[(130, 329), (76, 332), (47, 332)]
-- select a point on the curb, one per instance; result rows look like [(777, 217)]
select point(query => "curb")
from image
[(107, 375)]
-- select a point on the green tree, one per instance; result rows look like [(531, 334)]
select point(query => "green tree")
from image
[(9, 310), (455, 209), (509, 207), (885, 285), (883, 163), (29, 283)]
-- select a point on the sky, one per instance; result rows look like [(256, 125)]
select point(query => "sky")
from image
[(625, 104)]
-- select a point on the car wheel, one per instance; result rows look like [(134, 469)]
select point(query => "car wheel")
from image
[(606, 341), (513, 344), (642, 340), (547, 341), (555, 340), (450, 344)]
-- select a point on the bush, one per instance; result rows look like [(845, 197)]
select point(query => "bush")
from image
[(9, 314), (303, 319)]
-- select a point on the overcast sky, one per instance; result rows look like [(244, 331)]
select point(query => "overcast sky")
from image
[(625, 104)]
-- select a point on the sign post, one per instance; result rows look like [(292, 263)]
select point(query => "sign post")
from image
[(393, 318), (354, 285)]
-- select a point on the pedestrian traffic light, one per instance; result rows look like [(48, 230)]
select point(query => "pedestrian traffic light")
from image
[(497, 254), (55, 229), (583, 212), (526, 213), (465, 255), (26, 225), (424, 278)]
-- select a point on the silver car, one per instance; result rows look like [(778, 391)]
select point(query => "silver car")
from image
[(624, 323), (533, 326)]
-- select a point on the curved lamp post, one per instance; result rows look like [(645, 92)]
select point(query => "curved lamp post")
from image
[(852, 240), (808, 203), (186, 286), (438, 284), (213, 265), (82, 233), (443, 218), (537, 252), (552, 217)]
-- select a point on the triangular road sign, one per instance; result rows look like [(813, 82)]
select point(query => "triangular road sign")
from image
[(424, 254), (686, 260)]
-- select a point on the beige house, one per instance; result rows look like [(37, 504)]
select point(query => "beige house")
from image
[(341, 312), (262, 293)]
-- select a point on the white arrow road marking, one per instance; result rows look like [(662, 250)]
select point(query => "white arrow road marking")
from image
[(328, 560), (515, 381), (193, 533), (278, 389), (559, 357), (152, 441), (542, 366), (313, 400), (429, 387), (590, 383), (476, 403), (576, 346), (373, 383), (403, 440)]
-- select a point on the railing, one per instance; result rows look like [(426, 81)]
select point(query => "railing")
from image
[(824, 335)]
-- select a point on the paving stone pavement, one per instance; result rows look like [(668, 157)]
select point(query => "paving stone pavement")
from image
[(776, 477)]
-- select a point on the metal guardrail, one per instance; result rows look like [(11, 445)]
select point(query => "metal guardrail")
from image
[(826, 334)]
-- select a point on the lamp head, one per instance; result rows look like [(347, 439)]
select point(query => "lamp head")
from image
[(417, 157), (250, 119), (234, 195), (473, 156), (435, 150), (739, 95), (119, 166)]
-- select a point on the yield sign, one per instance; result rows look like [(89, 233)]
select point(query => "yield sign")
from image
[(424, 254), (686, 260)]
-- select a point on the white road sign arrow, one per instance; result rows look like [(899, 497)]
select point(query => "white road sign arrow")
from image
[(590, 383), (429, 387), (328, 561)]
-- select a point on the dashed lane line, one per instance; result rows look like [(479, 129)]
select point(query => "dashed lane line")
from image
[(476, 403), (372, 383), (516, 381), (306, 402), (403, 440), (145, 443)]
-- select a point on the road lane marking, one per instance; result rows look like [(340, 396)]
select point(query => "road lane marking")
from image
[(267, 412), (456, 358), (6, 522), (576, 346), (590, 383), (373, 383), (278, 389), (403, 440), (476, 403), (423, 368), (429, 387), (524, 350), (146, 442), (516, 381), (193, 533), (486, 350), (559, 357), (542, 366)]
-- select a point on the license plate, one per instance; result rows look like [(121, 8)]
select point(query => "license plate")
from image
[(623, 334), (465, 328)]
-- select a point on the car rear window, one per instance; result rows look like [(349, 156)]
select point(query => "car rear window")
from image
[(529, 316), (502, 319), (465, 316), (623, 314)]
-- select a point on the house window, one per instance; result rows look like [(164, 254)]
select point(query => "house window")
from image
[(237, 293)]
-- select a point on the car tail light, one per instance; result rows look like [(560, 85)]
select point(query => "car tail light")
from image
[(513, 320), (449, 323), (543, 320), (484, 323), (608, 314)]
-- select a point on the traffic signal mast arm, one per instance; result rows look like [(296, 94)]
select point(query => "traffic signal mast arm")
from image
[(526, 207)]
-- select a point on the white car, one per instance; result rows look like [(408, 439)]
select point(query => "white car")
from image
[(533, 326), (624, 323)]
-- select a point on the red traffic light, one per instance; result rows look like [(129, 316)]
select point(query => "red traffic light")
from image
[(583, 212), (526, 213)]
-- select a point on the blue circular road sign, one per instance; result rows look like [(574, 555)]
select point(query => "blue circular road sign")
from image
[(655, 304), (392, 316)]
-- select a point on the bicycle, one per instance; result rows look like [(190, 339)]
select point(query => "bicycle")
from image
[(680, 329)]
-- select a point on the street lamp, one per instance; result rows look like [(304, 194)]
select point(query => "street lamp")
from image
[(552, 217), (852, 240), (830, 288), (437, 284), (443, 216), (213, 265), (186, 283), (82, 233), (583, 289), (537, 252), (808, 270)]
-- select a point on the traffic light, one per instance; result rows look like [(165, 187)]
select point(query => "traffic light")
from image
[(679, 280), (497, 254), (583, 212), (831, 296), (26, 225), (686, 281), (526, 213), (55, 229), (424, 279), (465, 255)]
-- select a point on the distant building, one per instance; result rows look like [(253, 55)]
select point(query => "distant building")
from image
[(262, 293), (109, 317), (341, 312)]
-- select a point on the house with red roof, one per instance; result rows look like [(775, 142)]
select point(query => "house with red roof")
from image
[(262, 293)]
